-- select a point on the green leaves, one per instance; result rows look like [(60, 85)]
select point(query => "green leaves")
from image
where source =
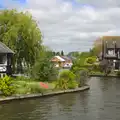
[(20, 32), (66, 80), (43, 69), (6, 86), (90, 60)]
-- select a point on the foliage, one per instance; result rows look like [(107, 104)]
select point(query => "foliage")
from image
[(96, 67), (6, 86), (22, 78), (20, 32), (44, 69), (67, 75), (74, 54), (96, 73), (97, 48), (80, 61), (77, 69), (83, 77), (105, 66), (90, 60), (23, 87), (66, 80), (62, 53)]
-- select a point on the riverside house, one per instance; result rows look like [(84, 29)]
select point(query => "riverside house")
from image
[(5, 60), (111, 50), (62, 61)]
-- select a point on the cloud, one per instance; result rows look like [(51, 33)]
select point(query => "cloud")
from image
[(71, 25)]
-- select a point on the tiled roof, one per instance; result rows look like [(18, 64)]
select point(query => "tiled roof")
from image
[(60, 58), (66, 57)]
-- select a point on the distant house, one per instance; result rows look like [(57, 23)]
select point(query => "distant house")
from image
[(111, 50), (5, 60), (68, 61), (62, 61)]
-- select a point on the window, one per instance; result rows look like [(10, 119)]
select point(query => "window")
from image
[(110, 52), (2, 59)]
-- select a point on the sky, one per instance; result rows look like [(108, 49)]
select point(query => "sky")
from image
[(71, 25)]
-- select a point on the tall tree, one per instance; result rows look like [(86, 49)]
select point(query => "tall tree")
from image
[(62, 53), (97, 47), (57, 53), (20, 32)]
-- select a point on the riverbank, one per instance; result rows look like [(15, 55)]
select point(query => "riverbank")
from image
[(101, 75), (29, 96)]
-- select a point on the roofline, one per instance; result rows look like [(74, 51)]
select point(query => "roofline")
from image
[(12, 52)]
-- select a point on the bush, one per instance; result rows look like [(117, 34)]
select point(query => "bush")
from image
[(72, 84), (67, 75), (66, 80), (96, 67), (83, 77), (7, 86), (90, 60), (77, 69), (44, 70), (24, 87), (35, 88), (96, 73)]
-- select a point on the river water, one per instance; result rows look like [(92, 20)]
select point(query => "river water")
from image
[(101, 102)]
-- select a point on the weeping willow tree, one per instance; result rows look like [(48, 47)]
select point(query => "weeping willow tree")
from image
[(20, 32)]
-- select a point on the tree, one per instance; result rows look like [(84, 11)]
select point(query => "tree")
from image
[(62, 53), (97, 47), (74, 54), (57, 53), (44, 69), (20, 32), (105, 66)]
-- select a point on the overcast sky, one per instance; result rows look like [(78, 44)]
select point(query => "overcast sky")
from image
[(71, 25)]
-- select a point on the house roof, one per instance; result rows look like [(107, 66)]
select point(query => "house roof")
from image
[(5, 49), (66, 57), (60, 58)]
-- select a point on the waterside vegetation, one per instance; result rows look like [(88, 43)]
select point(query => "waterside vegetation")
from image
[(21, 34)]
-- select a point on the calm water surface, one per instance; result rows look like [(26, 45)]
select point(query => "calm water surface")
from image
[(101, 102)]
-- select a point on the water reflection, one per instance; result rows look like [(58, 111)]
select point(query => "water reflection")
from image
[(101, 102)]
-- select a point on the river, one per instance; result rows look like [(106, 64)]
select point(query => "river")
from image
[(101, 102)]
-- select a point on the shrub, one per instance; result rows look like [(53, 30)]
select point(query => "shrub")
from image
[(44, 70), (67, 75), (96, 73), (35, 88), (7, 86), (66, 80), (96, 67), (24, 87), (72, 84), (90, 60), (83, 77), (22, 78)]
